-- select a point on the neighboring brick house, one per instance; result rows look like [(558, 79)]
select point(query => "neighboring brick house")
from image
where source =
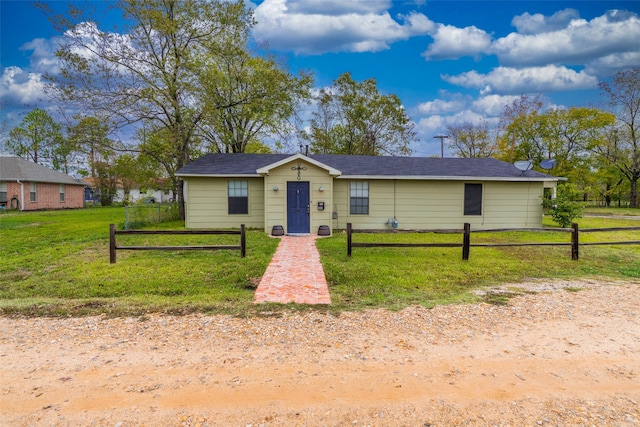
[(28, 186)]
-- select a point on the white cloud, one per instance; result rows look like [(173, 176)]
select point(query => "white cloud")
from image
[(42, 58), (579, 42), (492, 105), (441, 106), (20, 88), (538, 23), (505, 80), (610, 64), (346, 27), (452, 42), (337, 7)]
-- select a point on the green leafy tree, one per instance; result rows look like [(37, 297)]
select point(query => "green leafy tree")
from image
[(36, 138), (106, 181), (132, 171), (89, 136), (623, 149), (564, 208), (471, 140), (355, 118), (516, 124), (564, 135), (270, 97), (156, 71)]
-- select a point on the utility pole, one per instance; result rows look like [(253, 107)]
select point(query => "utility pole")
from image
[(441, 138)]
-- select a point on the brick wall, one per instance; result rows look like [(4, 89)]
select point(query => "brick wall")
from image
[(47, 196)]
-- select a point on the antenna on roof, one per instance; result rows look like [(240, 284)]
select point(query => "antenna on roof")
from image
[(441, 138), (524, 165)]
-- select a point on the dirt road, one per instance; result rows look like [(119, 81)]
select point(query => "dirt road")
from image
[(560, 357)]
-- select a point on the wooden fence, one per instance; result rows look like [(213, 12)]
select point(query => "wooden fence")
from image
[(113, 246), (466, 238)]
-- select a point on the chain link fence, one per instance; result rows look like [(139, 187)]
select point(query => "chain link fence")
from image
[(140, 215)]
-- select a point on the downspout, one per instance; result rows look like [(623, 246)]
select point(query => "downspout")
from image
[(21, 201)]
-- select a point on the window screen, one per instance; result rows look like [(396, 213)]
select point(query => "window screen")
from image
[(238, 197), (3, 192), (359, 198), (32, 192), (473, 199)]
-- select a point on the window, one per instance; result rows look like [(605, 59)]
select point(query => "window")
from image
[(359, 198), (3, 192), (62, 192), (32, 192), (238, 197), (473, 199)]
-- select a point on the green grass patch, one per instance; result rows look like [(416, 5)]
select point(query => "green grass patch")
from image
[(399, 277), (56, 263)]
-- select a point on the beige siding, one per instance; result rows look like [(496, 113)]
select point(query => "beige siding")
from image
[(415, 204), (276, 201), (206, 204), (440, 204)]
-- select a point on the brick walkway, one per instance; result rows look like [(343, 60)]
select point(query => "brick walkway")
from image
[(294, 274)]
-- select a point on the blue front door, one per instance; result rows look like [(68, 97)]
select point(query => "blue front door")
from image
[(298, 207)]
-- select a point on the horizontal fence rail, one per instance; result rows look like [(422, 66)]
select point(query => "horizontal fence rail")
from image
[(113, 246), (466, 239)]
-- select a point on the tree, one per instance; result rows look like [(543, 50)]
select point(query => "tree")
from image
[(623, 148), (471, 140), (355, 118), (36, 138), (563, 135), (89, 136), (131, 171), (271, 95), (515, 125), (155, 72)]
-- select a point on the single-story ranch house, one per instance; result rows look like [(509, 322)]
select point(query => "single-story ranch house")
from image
[(29, 186), (303, 193)]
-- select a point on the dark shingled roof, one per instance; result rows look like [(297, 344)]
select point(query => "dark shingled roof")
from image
[(16, 168), (370, 166)]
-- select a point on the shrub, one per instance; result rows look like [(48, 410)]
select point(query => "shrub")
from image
[(564, 209)]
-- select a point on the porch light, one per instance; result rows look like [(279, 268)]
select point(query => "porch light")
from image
[(321, 189), (275, 188)]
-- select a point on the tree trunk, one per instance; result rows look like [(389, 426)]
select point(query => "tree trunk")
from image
[(633, 196)]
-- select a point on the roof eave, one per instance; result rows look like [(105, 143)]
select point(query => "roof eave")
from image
[(210, 175), (298, 156), (454, 178)]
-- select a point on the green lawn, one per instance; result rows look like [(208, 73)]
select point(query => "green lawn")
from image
[(398, 277), (57, 263)]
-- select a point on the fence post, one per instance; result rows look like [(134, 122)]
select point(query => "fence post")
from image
[(349, 239), (112, 243), (243, 241), (575, 244), (466, 241)]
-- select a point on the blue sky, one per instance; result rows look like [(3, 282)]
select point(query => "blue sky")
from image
[(448, 61)]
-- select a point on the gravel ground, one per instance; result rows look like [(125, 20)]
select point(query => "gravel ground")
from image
[(566, 355)]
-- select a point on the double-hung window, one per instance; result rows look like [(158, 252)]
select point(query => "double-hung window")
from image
[(359, 198), (62, 192), (3, 192), (238, 192), (33, 195), (473, 199)]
